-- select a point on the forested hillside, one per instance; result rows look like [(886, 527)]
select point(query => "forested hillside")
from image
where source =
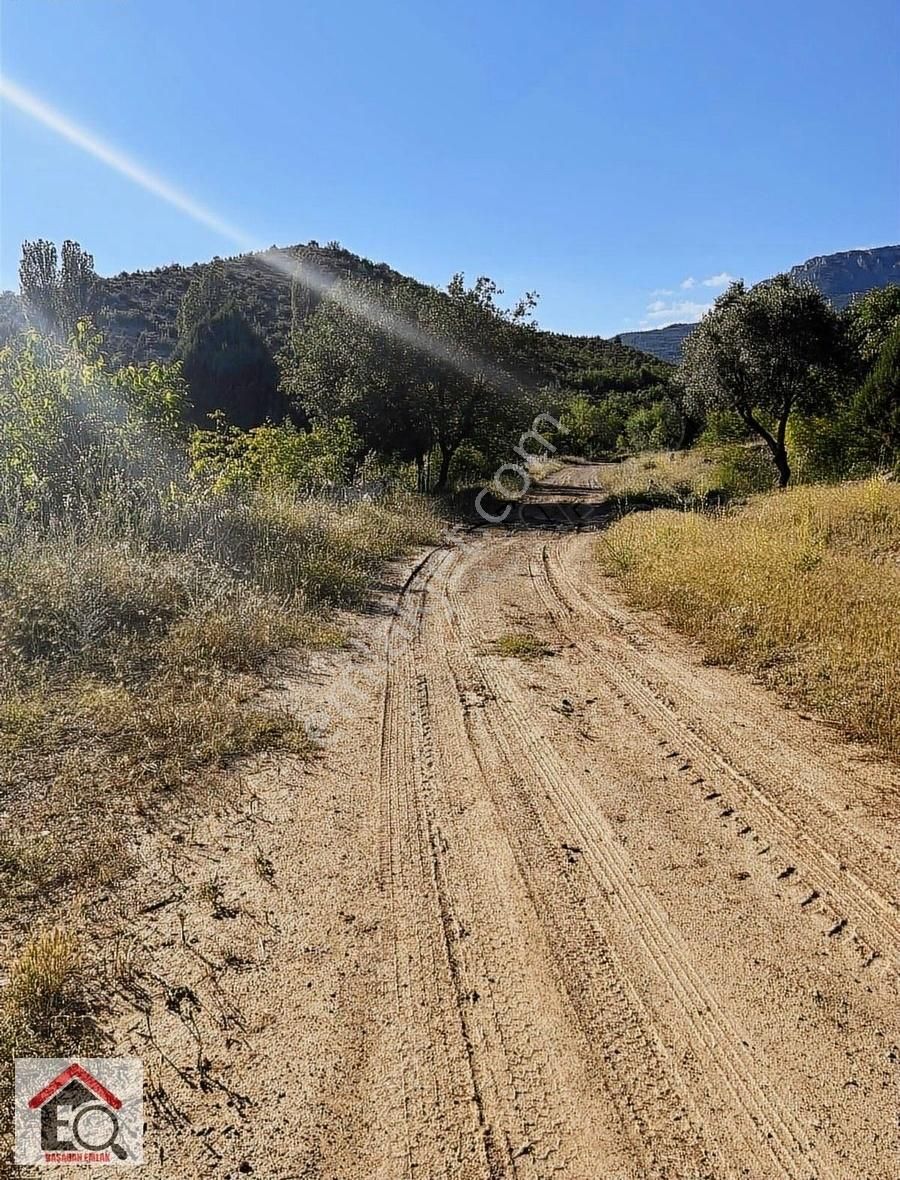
[(138, 310), (309, 335)]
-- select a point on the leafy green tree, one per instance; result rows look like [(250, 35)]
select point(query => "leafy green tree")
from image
[(56, 296), (877, 405), (477, 385), (415, 368), (226, 362), (346, 360), (873, 317), (592, 428), (72, 431), (763, 352), (158, 393), (653, 428)]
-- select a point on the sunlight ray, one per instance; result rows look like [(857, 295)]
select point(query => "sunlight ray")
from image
[(279, 260)]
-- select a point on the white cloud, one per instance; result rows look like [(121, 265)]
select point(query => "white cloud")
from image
[(662, 312), (663, 291), (689, 282), (720, 280)]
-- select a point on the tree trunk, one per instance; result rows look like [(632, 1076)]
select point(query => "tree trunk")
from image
[(784, 468), (447, 454), (420, 473), (775, 445), (781, 459)]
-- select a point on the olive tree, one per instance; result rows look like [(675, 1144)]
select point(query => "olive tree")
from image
[(763, 352), (415, 368)]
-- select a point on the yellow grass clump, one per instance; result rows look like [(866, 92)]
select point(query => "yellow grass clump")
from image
[(800, 587)]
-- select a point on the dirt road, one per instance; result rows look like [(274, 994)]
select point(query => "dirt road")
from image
[(602, 913)]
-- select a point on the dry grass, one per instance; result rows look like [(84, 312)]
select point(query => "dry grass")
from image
[(703, 476), (42, 1008), (667, 474), (131, 661), (802, 588)]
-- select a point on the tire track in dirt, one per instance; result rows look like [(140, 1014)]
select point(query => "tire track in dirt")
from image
[(758, 1120), (436, 1066), (763, 804), (481, 1094)]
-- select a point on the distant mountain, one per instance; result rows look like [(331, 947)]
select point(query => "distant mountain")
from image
[(664, 343), (838, 276), (852, 272)]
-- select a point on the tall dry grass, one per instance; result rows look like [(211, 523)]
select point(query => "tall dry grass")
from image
[(131, 647), (802, 588)]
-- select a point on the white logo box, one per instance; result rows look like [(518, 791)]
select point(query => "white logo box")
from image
[(79, 1111)]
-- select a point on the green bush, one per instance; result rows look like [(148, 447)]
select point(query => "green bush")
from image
[(743, 469), (71, 430), (823, 450), (228, 458), (657, 427), (877, 405), (592, 428), (721, 427)]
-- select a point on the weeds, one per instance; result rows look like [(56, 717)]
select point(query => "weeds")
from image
[(801, 587), (520, 645), (133, 636)]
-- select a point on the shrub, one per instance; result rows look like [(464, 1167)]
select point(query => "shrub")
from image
[(877, 406), (270, 457), (742, 469)]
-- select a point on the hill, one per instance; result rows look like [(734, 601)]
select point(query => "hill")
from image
[(139, 310), (838, 276), (852, 272), (664, 343)]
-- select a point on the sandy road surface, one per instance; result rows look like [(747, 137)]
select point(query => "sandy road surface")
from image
[(608, 913)]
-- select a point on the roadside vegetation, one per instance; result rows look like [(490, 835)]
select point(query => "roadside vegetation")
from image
[(800, 588), (175, 514), (148, 571)]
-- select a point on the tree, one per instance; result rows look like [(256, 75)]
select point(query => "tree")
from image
[(872, 318), (57, 297), (877, 405), (227, 364), (762, 353), (477, 369), (414, 368)]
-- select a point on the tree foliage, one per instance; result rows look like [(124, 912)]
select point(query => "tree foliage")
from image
[(225, 360), (763, 352), (274, 457), (873, 318), (57, 294), (877, 404), (415, 368), (71, 428)]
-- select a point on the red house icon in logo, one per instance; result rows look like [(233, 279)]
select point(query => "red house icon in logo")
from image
[(65, 1104)]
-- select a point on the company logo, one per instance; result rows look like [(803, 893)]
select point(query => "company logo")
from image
[(88, 1111)]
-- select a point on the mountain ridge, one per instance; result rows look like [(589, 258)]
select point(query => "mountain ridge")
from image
[(839, 276), (139, 308)]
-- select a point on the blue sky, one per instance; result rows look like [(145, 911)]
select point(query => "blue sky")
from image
[(621, 157)]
